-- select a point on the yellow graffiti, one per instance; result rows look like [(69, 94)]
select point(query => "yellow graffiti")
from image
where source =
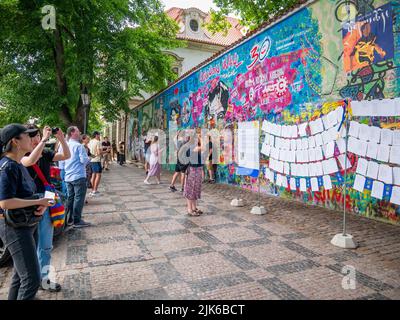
[(391, 125), (310, 113)]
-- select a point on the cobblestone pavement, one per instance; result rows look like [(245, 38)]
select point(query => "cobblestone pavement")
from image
[(144, 246)]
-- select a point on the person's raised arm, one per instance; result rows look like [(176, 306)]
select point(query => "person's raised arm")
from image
[(34, 157), (64, 153)]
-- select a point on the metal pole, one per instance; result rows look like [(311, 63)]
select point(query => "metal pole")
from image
[(259, 163), (345, 170), (84, 124)]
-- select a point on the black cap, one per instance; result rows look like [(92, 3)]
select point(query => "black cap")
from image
[(11, 131)]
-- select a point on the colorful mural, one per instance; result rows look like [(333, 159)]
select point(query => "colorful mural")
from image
[(298, 70)]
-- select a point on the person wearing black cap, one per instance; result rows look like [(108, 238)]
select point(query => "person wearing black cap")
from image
[(16, 186), (43, 158)]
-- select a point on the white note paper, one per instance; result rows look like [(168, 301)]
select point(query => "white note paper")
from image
[(303, 185), (363, 133), (339, 114), (357, 147), (299, 145), (266, 149), (342, 161), (387, 136), (292, 184), (329, 150), (395, 154), (318, 154), (278, 180), (327, 182), (312, 170), (311, 155), (266, 126), (319, 171), (332, 119), (304, 143), (341, 143), (395, 198), (383, 153), (326, 137), (396, 175), (311, 142), (372, 171), (377, 189), (359, 183), (316, 126), (372, 150), (302, 129), (362, 166), (330, 166), (385, 174), (354, 129), (396, 137), (286, 168), (314, 184), (318, 140)]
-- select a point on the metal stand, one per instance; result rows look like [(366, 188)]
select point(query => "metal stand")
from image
[(344, 240), (259, 210)]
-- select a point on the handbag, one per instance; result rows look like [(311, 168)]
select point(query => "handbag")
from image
[(57, 212)]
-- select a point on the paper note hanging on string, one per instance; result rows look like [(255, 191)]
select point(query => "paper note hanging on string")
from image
[(278, 180), (341, 143), (377, 190), (343, 161), (395, 154), (383, 153), (327, 182), (372, 150), (293, 145), (339, 114), (385, 174), (387, 137), (311, 155), (396, 137), (372, 171), (362, 166), (314, 184), (291, 156), (395, 198), (284, 182), (374, 134), (318, 154), (299, 145), (303, 185), (293, 184), (304, 143), (329, 150), (316, 126), (266, 126), (318, 140), (266, 149), (363, 133), (326, 137), (311, 142), (354, 129), (330, 166), (274, 153), (312, 170), (303, 129), (357, 147), (319, 171), (396, 175), (359, 183), (332, 119)]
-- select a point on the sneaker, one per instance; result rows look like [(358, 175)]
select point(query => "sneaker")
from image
[(146, 182), (172, 188), (51, 286), (182, 190), (82, 224)]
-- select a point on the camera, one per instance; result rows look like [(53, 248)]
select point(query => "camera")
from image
[(54, 130)]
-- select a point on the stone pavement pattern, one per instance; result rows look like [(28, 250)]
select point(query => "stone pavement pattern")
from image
[(144, 246)]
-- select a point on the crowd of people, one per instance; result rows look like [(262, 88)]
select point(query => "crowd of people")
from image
[(192, 155), (28, 199), (27, 220)]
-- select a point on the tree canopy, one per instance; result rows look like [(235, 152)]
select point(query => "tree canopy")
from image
[(252, 13), (97, 44)]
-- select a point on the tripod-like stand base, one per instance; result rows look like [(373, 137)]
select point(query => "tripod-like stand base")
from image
[(345, 241), (237, 202), (258, 210)]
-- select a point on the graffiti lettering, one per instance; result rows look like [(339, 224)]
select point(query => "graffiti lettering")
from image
[(259, 53)]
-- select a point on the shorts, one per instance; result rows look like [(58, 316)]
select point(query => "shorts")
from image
[(211, 166), (96, 167), (147, 155), (179, 167)]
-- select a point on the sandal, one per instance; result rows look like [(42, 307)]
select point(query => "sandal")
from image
[(193, 213), (198, 211)]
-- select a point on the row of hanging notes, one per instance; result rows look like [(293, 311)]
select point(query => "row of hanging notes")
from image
[(316, 126), (376, 171), (303, 184), (376, 108), (375, 134), (319, 168), (248, 144)]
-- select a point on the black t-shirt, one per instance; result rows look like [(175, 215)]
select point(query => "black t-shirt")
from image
[(210, 147), (44, 164), (192, 155), (15, 181)]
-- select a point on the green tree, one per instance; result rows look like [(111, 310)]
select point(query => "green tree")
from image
[(252, 13), (94, 44)]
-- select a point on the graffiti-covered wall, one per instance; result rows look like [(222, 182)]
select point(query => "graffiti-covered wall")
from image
[(302, 70)]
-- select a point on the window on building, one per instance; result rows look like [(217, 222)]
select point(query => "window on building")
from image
[(194, 25)]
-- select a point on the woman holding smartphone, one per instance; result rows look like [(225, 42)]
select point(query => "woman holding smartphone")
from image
[(16, 185)]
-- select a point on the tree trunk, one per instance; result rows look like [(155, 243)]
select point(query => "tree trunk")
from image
[(59, 59)]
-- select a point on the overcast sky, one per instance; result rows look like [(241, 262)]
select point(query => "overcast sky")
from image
[(203, 5)]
